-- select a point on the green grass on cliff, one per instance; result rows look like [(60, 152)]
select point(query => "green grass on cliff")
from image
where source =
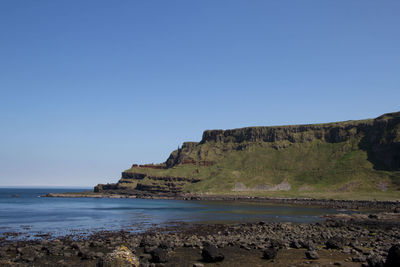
[(313, 169)]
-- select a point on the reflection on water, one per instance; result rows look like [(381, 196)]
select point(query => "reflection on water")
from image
[(32, 215)]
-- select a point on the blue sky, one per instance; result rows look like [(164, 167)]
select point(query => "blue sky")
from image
[(90, 87)]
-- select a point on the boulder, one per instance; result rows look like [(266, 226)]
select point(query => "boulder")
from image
[(309, 245), (393, 257), (211, 253), (159, 255), (269, 253), (359, 258), (120, 257), (295, 244), (276, 243), (335, 243), (375, 261), (312, 255)]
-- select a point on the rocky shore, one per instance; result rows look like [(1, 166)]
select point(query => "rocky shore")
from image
[(367, 240)]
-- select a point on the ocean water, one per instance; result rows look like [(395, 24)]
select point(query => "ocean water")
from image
[(31, 216)]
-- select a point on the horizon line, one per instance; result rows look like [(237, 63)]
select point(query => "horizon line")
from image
[(45, 186)]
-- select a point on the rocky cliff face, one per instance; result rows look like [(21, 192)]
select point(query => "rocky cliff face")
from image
[(379, 138), (382, 141), (293, 134)]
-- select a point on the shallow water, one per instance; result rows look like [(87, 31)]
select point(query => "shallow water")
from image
[(31, 215)]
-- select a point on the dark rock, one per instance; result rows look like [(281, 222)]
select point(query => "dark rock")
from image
[(3, 254), (149, 242), (269, 253), (359, 258), (144, 264), (27, 254), (67, 254), (309, 245), (335, 243), (312, 255), (75, 246), (295, 244), (211, 254), (375, 261), (99, 255), (166, 245), (145, 257), (276, 243), (95, 244), (148, 249), (86, 254), (393, 257), (159, 255)]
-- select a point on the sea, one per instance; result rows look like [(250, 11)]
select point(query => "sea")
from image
[(24, 214)]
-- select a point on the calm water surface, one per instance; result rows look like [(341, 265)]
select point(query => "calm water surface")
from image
[(30, 215)]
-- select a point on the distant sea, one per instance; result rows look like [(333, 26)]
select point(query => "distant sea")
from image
[(23, 211)]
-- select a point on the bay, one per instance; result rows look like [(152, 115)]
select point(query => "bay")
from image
[(23, 211)]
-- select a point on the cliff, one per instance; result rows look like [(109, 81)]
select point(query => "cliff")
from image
[(341, 157)]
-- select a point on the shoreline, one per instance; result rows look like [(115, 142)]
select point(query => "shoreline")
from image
[(327, 203), (351, 241)]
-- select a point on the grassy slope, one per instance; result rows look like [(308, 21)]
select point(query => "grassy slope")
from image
[(314, 169)]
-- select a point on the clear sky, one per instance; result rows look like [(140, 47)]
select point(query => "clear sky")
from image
[(89, 87)]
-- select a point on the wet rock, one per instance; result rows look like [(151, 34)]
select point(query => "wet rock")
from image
[(312, 255), (211, 253), (159, 255), (393, 257), (269, 253), (120, 257)]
